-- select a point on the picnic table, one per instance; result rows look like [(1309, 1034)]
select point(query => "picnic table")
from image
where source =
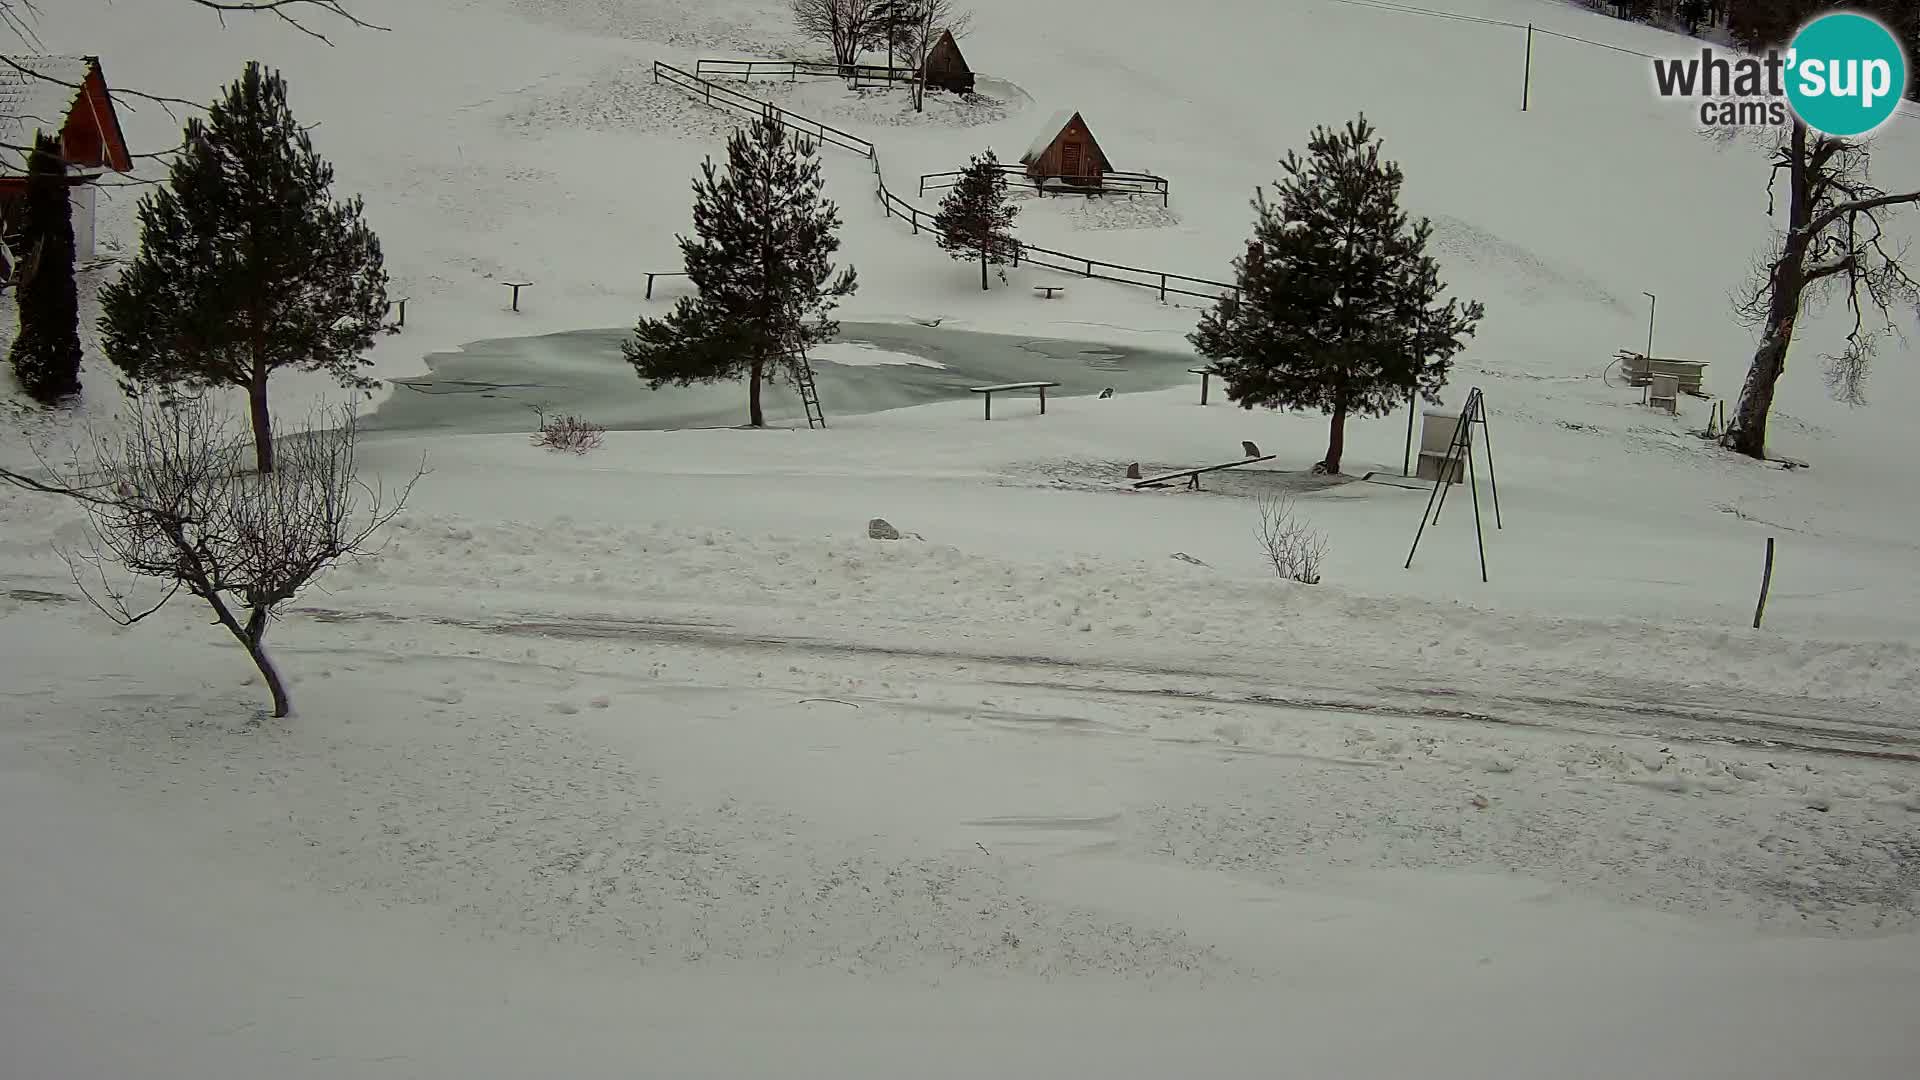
[(1049, 289), (989, 391)]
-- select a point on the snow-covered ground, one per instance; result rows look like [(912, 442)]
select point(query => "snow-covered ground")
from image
[(650, 761)]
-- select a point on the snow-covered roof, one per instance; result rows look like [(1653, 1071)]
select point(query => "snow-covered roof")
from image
[(35, 100), (1045, 138)]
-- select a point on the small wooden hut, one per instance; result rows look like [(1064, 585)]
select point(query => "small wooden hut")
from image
[(1066, 150), (946, 68)]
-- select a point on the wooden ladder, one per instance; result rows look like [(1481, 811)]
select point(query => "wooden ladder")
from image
[(809, 394)]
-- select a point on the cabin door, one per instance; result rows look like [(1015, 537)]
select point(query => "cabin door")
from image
[(1070, 158)]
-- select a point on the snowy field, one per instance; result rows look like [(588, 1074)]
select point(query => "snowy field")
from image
[(650, 762)]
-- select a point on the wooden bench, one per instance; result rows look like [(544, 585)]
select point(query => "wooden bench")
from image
[(989, 391), (1192, 476), (1049, 290), (516, 286)]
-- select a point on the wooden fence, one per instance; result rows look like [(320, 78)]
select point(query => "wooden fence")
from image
[(1162, 282), (1111, 183), (794, 70)]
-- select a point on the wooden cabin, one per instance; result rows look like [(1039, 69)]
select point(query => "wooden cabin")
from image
[(1066, 150), (946, 68), (64, 97)]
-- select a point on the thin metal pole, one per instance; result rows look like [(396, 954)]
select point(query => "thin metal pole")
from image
[(1526, 91), (1655, 303), (1473, 484), (1486, 434)]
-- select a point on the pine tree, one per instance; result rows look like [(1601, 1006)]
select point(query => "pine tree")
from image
[(1339, 305), (46, 355), (247, 265), (975, 219), (765, 285)]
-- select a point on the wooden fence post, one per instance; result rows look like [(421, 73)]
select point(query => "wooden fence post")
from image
[(1163, 298), (1766, 583), (1526, 89)]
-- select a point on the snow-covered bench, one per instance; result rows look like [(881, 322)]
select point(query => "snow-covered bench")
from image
[(989, 391)]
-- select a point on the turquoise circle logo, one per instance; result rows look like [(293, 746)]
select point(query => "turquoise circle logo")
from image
[(1848, 74)]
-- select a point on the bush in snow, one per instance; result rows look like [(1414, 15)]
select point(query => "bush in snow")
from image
[(247, 265), (1289, 541), (571, 433), (1338, 306)]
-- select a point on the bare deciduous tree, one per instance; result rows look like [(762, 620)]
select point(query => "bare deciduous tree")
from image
[(1834, 246), (847, 26), (168, 497), (1296, 549)]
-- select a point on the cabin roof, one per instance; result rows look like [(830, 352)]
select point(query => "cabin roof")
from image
[(1055, 125), (38, 95)]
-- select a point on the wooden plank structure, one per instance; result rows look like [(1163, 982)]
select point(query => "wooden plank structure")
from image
[(989, 391), (946, 68), (1640, 370), (1067, 151), (1192, 476)]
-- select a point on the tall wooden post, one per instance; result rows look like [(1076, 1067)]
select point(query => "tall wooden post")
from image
[(1526, 89)]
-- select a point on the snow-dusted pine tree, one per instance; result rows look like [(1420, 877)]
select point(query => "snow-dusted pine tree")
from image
[(760, 265), (975, 219), (46, 355), (247, 264), (1339, 305)]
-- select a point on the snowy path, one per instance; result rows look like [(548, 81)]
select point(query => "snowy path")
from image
[(701, 851)]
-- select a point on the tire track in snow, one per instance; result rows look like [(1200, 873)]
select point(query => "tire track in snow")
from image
[(1752, 727)]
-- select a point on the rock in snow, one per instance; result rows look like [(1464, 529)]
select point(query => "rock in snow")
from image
[(878, 529)]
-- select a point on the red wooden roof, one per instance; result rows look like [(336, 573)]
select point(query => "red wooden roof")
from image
[(63, 96)]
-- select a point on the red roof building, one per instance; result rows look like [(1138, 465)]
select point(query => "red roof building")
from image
[(64, 97)]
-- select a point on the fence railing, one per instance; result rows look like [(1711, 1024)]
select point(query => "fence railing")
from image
[(1161, 281), (794, 70), (1111, 183), (726, 98)]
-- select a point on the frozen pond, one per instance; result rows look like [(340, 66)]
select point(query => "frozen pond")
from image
[(490, 386)]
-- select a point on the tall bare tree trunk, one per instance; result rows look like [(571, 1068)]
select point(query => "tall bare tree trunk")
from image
[(755, 416), (1747, 430), (1336, 441), (983, 266), (262, 419)]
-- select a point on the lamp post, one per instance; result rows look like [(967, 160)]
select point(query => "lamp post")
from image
[(1653, 302)]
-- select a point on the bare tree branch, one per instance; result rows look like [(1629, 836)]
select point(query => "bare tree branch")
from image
[(289, 12), (1827, 220)]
